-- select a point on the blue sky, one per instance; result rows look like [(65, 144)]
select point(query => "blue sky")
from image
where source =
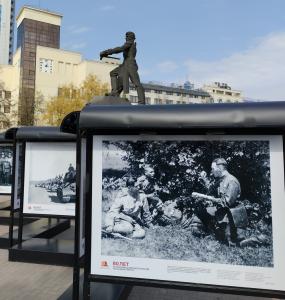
[(241, 42)]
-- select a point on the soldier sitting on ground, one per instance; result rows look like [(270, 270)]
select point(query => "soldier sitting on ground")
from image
[(128, 214), (148, 188), (223, 214)]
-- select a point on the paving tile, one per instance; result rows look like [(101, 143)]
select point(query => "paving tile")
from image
[(24, 281)]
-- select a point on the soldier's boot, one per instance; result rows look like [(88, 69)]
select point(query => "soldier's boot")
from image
[(138, 233), (198, 230), (123, 227), (254, 241)]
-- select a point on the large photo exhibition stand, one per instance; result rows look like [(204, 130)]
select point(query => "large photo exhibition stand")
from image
[(205, 119), (49, 239)]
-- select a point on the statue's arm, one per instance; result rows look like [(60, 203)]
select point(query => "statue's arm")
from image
[(115, 50)]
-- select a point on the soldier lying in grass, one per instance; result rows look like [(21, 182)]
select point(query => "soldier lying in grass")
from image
[(128, 214)]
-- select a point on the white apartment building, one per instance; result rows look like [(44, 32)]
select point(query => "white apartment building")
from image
[(7, 17), (162, 94), (222, 92)]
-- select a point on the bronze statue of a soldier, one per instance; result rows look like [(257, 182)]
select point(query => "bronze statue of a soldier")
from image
[(128, 70)]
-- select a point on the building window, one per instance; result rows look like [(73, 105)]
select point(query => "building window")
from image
[(73, 93), (158, 92), (157, 101), (7, 108), (169, 93), (60, 92), (148, 100), (134, 99), (169, 102), (7, 95)]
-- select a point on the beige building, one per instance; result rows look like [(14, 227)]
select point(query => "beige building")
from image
[(9, 94), (56, 68), (222, 92)]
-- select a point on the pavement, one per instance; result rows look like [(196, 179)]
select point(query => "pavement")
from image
[(24, 281)]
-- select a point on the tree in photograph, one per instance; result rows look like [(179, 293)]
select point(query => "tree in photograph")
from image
[(179, 167), (71, 98)]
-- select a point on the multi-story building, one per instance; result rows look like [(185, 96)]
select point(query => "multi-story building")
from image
[(222, 92), (174, 94), (41, 68), (7, 17), (34, 28)]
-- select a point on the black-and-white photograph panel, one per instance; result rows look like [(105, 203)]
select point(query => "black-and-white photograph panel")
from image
[(50, 178), (6, 167), (205, 209)]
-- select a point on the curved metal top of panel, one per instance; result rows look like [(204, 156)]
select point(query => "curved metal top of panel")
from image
[(3, 138), (70, 122), (43, 134), (225, 115), (10, 134)]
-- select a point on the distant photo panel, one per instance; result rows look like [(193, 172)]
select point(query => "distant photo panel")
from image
[(6, 168), (50, 178)]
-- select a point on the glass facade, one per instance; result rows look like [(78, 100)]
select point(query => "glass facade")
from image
[(0, 16), (31, 34)]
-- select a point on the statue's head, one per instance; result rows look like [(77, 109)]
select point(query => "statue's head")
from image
[(130, 36)]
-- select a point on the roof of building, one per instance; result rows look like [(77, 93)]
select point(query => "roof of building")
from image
[(165, 88), (39, 10)]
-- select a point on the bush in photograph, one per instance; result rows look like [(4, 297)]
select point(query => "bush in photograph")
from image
[(178, 167)]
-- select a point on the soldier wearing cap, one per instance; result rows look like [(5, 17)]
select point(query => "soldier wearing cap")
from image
[(229, 186), (128, 70), (218, 218), (227, 214), (128, 214)]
